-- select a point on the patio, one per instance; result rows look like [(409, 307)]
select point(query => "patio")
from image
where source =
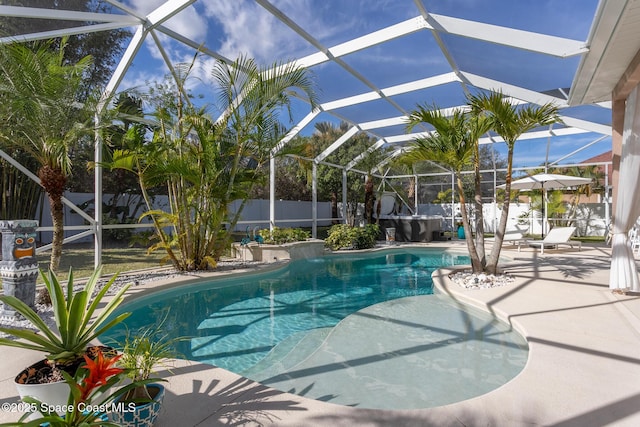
[(583, 367), (582, 370)]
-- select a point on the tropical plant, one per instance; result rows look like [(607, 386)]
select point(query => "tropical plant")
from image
[(406, 166), (595, 187), (90, 396), (344, 236), (279, 236), (205, 163), (40, 92), (76, 317), (330, 178), (19, 194), (143, 352), (369, 162), (553, 207), (455, 145), (510, 122)]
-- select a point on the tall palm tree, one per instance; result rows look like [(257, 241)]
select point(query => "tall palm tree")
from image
[(46, 118), (510, 122), (329, 178), (405, 167), (454, 144), (205, 163)]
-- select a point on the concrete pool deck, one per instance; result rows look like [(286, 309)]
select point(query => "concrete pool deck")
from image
[(583, 367)]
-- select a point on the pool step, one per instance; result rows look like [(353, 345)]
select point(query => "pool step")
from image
[(288, 354)]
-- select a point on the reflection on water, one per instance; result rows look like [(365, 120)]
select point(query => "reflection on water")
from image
[(234, 323)]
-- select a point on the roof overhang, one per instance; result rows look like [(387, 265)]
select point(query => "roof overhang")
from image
[(610, 70)]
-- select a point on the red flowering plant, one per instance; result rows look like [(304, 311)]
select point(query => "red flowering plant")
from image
[(89, 400)]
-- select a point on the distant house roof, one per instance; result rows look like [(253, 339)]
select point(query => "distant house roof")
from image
[(602, 158)]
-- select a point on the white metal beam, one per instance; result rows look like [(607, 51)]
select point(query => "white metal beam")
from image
[(126, 9), (125, 62), (526, 40), (584, 147), (65, 15), (538, 134), (391, 90), (295, 130), (330, 149), (188, 42), (362, 155), (377, 37), (586, 125), (63, 32), (514, 91), (426, 83), (167, 10), (377, 124)]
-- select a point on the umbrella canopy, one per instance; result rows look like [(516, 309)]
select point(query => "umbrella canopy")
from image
[(547, 181)]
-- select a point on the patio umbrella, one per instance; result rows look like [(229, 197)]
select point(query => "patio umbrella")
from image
[(546, 181)]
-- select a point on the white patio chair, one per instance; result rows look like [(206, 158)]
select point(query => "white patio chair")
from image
[(634, 240), (557, 236)]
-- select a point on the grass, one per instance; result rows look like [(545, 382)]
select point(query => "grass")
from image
[(115, 259)]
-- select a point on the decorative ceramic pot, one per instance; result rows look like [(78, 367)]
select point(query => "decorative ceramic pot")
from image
[(142, 415), (55, 394), (29, 382)]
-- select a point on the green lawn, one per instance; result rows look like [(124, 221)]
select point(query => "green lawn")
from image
[(115, 259)]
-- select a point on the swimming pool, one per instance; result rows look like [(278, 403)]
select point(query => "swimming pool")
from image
[(279, 327)]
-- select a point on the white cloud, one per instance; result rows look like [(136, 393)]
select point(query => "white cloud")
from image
[(248, 29), (189, 23)]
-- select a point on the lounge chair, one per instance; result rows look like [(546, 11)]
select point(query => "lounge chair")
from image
[(512, 238), (557, 236)]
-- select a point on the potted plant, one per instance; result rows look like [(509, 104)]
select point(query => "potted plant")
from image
[(78, 324), (142, 353), (88, 396)]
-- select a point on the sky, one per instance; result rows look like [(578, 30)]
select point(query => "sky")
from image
[(244, 27)]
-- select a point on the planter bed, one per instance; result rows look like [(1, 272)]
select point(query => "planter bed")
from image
[(311, 248)]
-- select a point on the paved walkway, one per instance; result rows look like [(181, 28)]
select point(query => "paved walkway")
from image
[(583, 367)]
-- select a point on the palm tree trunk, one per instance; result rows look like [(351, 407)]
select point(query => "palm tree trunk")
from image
[(57, 218), (476, 265), (334, 208), (411, 193), (368, 200), (53, 181), (492, 262), (478, 208)]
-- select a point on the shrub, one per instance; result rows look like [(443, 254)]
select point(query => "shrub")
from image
[(279, 236), (343, 236)]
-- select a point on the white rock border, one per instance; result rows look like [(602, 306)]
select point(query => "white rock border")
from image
[(469, 280)]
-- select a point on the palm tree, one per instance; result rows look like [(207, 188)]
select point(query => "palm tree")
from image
[(207, 164), (405, 167), (329, 178), (454, 144), (46, 118), (595, 173), (510, 122)]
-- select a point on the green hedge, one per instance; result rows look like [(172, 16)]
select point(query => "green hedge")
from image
[(280, 236), (343, 236)]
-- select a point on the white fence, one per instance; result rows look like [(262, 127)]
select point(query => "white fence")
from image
[(590, 220)]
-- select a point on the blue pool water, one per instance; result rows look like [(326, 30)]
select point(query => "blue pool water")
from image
[(234, 323), (361, 329)]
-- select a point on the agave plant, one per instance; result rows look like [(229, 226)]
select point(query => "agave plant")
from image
[(74, 317)]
